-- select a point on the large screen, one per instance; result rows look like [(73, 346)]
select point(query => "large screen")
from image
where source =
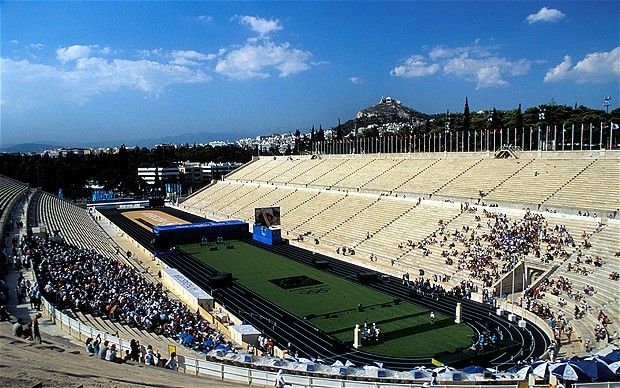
[(267, 216)]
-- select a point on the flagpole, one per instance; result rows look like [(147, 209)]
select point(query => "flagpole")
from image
[(563, 134)]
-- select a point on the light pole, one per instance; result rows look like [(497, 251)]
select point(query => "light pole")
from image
[(447, 126), (606, 103), (541, 118)]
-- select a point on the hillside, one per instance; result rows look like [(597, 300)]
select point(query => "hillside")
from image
[(389, 113)]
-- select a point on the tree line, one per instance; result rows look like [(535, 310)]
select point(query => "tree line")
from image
[(114, 171)]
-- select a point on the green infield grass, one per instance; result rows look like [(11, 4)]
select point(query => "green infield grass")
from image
[(330, 302)]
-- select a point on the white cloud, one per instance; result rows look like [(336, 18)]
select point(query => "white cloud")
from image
[(70, 53), (545, 15), (154, 52), (597, 67), (475, 50), (35, 46), (355, 80), (26, 83), (480, 64), (262, 26), (415, 66), (486, 72), (258, 60), (204, 18), (190, 57), (14, 41), (77, 51)]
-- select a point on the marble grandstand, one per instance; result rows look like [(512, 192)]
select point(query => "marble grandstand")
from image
[(400, 213), (10, 191)]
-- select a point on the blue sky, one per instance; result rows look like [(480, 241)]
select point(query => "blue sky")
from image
[(91, 72)]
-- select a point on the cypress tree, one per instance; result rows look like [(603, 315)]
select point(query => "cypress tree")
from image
[(466, 118)]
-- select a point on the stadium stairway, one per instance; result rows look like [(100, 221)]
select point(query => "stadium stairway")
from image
[(349, 218), (319, 215), (396, 189), (456, 177), (352, 170), (386, 225), (568, 182), (247, 190), (510, 176)]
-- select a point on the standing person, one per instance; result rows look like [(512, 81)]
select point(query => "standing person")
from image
[(172, 362), (432, 317), (36, 332), (103, 350), (434, 379), (280, 382), (134, 355)]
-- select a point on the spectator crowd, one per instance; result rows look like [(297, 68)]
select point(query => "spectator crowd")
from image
[(84, 280)]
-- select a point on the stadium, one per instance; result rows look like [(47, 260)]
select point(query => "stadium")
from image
[(372, 269)]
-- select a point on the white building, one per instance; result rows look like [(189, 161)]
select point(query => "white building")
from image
[(166, 174)]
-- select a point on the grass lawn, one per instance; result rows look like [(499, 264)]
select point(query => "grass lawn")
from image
[(330, 302)]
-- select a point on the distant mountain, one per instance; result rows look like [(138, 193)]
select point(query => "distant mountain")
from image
[(190, 138), (26, 147), (387, 111)]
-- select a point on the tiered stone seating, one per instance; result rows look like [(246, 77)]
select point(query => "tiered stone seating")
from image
[(368, 222), (316, 169), (292, 218), (9, 190), (269, 198), (398, 174), (230, 200), (591, 189), (216, 193), (238, 205), (277, 171), (125, 332), (414, 259), (605, 244), (538, 180), (74, 223), (484, 176), (252, 171), (432, 179), (333, 176), (195, 199), (366, 174), (416, 224), (334, 215), (575, 226)]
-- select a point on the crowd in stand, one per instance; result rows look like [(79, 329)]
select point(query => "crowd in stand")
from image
[(83, 280), (104, 350), (496, 243)]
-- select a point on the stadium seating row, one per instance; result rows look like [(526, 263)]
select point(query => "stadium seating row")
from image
[(10, 189), (75, 224), (567, 183)]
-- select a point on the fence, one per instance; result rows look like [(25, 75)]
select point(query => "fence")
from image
[(550, 138)]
